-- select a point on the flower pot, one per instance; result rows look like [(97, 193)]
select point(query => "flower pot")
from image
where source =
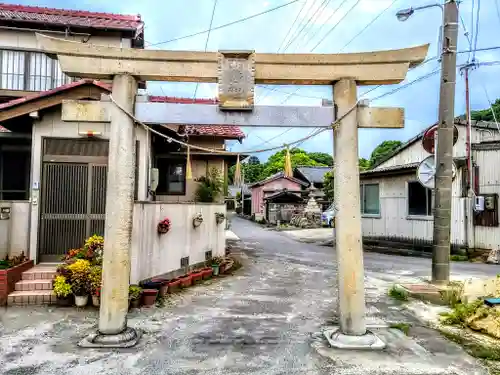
[(81, 301), (215, 269), (186, 281), (65, 301), (151, 284), (164, 289), (96, 301), (174, 285), (149, 297), (136, 302), (207, 273), (197, 277)]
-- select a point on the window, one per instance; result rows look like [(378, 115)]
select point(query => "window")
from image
[(14, 175), (370, 202), (31, 71), (172, 177), (419, 199)]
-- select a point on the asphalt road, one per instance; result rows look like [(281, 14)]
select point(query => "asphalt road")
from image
[(265, 319)]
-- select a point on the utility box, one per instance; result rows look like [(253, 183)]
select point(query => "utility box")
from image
[(5, 228), (486, 210)]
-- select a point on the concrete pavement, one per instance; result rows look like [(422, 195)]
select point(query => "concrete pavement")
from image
[(266, 319)]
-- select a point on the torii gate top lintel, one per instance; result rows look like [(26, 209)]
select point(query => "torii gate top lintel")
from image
[(103, 62)]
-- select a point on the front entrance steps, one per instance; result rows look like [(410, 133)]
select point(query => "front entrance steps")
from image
[(35, 288)]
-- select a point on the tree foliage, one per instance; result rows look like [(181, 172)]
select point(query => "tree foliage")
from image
[(276, 163), (382, 150), (210, 186), (321, 158), (485, 114)]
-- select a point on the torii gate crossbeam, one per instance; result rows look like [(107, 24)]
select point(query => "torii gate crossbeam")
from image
[(344, 71)]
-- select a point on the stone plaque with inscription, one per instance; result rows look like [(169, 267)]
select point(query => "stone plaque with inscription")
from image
[(236, 80)]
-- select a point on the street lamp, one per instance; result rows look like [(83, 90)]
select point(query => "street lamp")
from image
[(404, 14)]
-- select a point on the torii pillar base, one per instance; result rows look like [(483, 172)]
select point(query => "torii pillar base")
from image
[(368, 341), (127, 339)]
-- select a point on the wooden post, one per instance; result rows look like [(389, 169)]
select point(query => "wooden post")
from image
[(348, 224), (113, 331)]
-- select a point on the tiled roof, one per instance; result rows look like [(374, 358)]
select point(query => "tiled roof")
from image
[(275, 177), (42, 94), (226, 131), (75, 18), (314, 175)]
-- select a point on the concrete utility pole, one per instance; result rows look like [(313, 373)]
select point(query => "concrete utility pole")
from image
[(113, 331), (443, 177)]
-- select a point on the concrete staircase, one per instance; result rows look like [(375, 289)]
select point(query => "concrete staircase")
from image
[(35, 288)]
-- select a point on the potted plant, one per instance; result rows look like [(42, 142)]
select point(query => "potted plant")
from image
[(174, 285), (216, 262), (207, 273), (197, 220), (197, 276), (62, 290), (149, 296), (134, 295), (186, 281), (95, 285), (80, 281), (219, 217), (164, 226)]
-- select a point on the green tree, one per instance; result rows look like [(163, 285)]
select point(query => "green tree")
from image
[(382, 150), (321, 158), (364, 164), (485, 114), (328, 187), (250, 172), (276, 162)]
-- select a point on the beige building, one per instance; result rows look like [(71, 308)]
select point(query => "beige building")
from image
[(397, 210), (53, 173)]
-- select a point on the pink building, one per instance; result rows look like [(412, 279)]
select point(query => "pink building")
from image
[(278, 183)]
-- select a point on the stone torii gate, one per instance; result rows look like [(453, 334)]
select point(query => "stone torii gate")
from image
[(236, 72)]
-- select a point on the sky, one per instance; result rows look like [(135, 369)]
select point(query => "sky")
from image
[(335, 23)]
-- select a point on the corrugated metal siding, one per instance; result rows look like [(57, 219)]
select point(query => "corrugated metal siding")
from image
[(394, 220), (489, 183)]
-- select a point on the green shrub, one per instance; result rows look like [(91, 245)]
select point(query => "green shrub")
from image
[(398, 293), (459, 258), (461, 312), (403, 327), (210, 186)]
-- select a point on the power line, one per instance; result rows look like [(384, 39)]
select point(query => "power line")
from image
[(321, 27), (206, 42), (498, 9), (291, 27), (296, 33), (226, 24), (313, 16), (335, 26), (369, 24)]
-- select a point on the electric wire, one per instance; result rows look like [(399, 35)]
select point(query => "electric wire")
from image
[(206, 42), (476, 33), (291, 27), (226, 24)]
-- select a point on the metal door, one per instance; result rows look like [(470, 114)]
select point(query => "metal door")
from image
[(73, 196), (73, 207)]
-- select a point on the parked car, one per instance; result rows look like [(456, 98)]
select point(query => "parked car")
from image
[(328, 216)]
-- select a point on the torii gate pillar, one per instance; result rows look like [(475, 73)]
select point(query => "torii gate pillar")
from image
[(113, 330)]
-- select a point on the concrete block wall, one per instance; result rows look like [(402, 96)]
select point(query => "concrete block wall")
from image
[(154, 254)]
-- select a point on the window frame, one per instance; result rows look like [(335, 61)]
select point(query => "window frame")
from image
[(27, 171), (172, 161), (429, 215), (362, 200), (28, 78)]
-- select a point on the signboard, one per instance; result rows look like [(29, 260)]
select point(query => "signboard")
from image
[(429, 138), (236, 80), (427, 170)]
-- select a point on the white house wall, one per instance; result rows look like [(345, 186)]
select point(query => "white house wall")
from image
[(489, 183), (153, 254), (14, 232), (51, 125), (394, 221)]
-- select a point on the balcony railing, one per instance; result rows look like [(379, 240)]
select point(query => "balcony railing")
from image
[(30, 71)]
